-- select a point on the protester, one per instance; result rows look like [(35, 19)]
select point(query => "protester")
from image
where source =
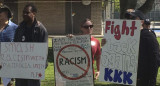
[(148, 52), (87, 29), (7, 30), (149, 57), (147, 24), (30, 30)]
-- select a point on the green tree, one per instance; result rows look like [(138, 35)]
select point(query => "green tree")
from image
[(117, 6)]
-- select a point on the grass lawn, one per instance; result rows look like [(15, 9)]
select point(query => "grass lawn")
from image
[(49, 78), (49, 73)]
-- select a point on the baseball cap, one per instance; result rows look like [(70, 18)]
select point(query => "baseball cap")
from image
[(134, 13), (5, 8), (147, 21)]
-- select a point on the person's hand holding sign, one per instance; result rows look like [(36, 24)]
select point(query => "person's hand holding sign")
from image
[(70, 35), (103, 42), (97, 75)]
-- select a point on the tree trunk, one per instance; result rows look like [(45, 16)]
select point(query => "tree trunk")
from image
[(147, 6)]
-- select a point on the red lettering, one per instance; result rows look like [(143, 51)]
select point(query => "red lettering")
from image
[(31, 47), (18, 47), (38, 66), (112, 27), (133, 28), (117, 30), (26, 48), (6, 47), (32, 74), (108, 23), (117, 33), (125, 28)]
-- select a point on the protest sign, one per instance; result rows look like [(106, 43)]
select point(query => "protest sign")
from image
[(73, 61), (23, 60), (119, 57)]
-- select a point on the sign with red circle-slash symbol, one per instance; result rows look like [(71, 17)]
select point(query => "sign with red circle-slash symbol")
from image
[(73, 62)]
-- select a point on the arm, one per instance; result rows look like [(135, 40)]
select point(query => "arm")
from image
[(98, 66), (103, 42), (98, 56), (43, 35)]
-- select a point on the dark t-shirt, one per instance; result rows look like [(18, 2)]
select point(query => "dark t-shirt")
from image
[(27, 37), (148, 59)]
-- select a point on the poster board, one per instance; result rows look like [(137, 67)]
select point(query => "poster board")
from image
[(119, 59), (73, 61), (23, 60)]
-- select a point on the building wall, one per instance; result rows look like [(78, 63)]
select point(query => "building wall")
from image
[(50, 13), (79, 12), (96, 16), (53, 15)]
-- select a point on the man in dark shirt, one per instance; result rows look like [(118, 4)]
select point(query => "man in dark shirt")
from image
[(148, 60), (30, 30)]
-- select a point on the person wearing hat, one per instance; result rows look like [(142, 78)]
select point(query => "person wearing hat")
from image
[(149, 57), (7, 31), (147, 24)]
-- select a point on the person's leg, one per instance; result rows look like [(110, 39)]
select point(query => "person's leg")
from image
[(10, 84), (143, 82), (0, 81), (33, 82), (6, 81), (21, 82), (153, 78)]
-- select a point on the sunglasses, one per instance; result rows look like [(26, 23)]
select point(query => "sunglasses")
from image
[(87, 26)]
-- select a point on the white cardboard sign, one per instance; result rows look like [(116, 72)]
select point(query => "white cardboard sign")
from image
[(119, 57), (23, 60), (73, 61)]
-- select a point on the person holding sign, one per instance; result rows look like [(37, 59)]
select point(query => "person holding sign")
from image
[(87, 28), (30, 30), (7, 30), (148, 59), (148, 52)]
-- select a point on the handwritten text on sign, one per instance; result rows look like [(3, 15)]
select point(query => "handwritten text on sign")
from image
[(73, 64), (23, 60), (120, 55)]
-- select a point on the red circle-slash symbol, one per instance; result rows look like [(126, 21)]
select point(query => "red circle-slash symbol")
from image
[(85, 70)]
